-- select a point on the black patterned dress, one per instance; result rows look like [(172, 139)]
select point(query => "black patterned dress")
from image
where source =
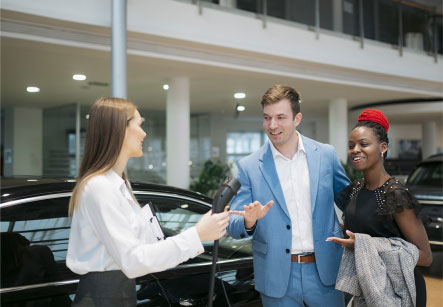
[(371, 212)]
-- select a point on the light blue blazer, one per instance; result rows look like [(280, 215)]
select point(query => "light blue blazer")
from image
[(272, 240)]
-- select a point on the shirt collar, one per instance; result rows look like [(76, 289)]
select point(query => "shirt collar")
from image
[(115, 179), (300, 149)]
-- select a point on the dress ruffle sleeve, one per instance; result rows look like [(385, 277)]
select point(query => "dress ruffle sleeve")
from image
[(398, 198)]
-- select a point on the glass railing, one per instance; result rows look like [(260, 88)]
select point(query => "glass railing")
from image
[(402, 24)]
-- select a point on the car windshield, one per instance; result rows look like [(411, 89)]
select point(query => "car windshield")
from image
[(428, 174)]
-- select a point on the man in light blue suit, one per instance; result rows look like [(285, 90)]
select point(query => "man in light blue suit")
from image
[(299, 178)]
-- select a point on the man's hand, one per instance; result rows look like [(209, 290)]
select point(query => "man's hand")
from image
[(349, 242), (253, 212)]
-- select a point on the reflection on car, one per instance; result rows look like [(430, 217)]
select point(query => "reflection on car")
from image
[(426, 184), (34, 220)]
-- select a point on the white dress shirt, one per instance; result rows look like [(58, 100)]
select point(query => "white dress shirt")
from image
[(294, 180), (110, 231)]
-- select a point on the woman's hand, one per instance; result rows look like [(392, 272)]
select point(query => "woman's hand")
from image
[(253, 212), (349, 242), (213, 226)]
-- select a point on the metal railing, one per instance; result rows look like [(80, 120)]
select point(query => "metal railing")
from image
[(402, 24)]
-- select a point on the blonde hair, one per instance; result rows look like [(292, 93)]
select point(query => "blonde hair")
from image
[(108, 119)]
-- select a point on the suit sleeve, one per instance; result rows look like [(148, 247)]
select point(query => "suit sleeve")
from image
[(236, 228), (340, 178)]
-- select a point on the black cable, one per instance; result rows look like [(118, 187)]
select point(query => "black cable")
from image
[(162, 289), (212, 275), (223, 286)]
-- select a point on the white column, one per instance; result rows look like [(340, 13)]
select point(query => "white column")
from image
[(27, 147), (337, 17), (118, 49), (429, 139), (178, 132), (338, 127)]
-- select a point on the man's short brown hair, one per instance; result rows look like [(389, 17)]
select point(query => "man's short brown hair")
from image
[(279, 92)]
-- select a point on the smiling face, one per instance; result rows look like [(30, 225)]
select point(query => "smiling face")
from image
[(364, 148), (134, 136), (280, 123)]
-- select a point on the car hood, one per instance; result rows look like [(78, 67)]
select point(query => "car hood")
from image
[(426, 192)]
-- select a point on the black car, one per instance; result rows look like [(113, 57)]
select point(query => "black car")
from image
[(35, 231), (426, 183)]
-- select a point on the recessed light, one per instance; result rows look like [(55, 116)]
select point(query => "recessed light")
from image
[(239, 95), (166, 87), (240, 108), (79, 77), (32, 89), (32, 180)]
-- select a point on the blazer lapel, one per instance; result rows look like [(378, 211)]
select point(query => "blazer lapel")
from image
[(314, 160), (267, 168)]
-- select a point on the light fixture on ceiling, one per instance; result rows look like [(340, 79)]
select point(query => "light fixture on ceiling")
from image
[(32, 89), (239, 95), (165, 87), (240, 108), (79, 77)]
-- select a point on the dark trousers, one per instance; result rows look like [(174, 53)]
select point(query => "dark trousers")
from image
[(111, 288)]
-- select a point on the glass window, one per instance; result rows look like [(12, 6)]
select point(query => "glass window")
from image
[(241, 144)]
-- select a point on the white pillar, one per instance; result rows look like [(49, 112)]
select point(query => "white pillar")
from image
[(178, 132), (337, 17), (338, 127), (429, 139), (118, 49), (27, 147)]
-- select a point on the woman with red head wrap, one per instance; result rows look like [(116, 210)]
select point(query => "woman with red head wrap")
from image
[(379, 205)]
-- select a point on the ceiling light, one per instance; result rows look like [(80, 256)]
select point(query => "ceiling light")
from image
[(240, 108), (239, 95), (79, 77), (165, 87), (32, 89)]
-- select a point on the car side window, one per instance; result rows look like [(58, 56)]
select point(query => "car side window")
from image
[(176, 214), (34, 237), (428, 174)]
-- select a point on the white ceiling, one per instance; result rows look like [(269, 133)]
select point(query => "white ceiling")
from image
[(50, 67)]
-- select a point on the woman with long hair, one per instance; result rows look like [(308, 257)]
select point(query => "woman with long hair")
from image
[(378, 205), (111, 240)]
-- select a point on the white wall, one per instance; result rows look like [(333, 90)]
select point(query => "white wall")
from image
[(27, 150)]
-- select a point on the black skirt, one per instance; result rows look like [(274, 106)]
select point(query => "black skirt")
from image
[(110, 288)]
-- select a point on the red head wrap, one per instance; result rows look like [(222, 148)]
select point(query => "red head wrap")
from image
[(375, 116)]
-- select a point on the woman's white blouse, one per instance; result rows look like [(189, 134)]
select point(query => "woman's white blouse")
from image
[(109, 231)]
